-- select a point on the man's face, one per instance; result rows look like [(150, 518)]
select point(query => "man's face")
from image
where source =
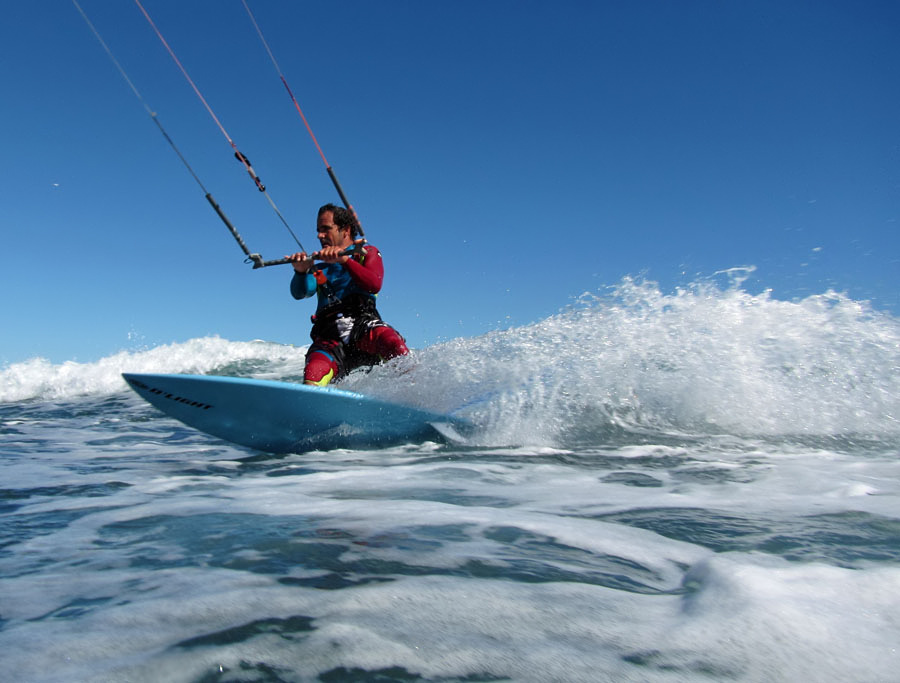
[(329, 234)]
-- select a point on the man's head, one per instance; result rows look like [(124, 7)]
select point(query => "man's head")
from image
[(336, 226)]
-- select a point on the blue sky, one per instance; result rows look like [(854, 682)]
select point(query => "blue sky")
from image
[(506, 156)]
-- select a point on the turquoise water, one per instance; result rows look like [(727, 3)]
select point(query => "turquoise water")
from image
[(692, 487)]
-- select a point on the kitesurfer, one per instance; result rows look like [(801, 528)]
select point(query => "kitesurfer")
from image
[(347, 331)]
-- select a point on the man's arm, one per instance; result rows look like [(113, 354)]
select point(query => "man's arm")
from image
[(370, 273), (303, 285)]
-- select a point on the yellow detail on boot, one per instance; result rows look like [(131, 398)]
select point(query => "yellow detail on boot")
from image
[(322, 382)]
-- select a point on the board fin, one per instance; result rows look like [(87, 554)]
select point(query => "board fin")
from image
[(448, 431)]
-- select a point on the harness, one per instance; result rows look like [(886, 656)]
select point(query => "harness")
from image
[(339, 323), (358, 309)]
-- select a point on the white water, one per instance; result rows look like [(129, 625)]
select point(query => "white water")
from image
[(703, 360), (699, 486)]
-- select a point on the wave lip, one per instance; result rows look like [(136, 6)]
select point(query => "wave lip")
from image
[(708, 359), (38, 378)]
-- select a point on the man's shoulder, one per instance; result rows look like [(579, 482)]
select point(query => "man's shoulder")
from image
[(365, 251)]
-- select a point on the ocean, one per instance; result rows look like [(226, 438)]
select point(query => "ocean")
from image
[(701, 485)]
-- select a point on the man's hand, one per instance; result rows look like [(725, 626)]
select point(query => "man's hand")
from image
[(332, 255), (301, 262)]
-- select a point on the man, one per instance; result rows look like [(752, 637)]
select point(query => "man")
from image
[(347, 331)]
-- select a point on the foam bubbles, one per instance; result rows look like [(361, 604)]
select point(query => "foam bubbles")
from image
[(741, 605), (38, 378), (707, 359)]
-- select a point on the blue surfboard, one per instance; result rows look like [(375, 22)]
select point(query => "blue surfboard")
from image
[(282, 417)]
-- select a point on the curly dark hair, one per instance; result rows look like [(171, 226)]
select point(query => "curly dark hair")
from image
[(343, 218)]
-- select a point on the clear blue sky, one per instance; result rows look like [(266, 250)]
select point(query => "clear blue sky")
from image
[(506, 156)]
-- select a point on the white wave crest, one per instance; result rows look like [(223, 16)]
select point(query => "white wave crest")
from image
[(38, 378), (709, 358), (706, 359)]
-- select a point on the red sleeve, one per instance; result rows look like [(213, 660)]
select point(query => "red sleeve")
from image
[(370, 273)]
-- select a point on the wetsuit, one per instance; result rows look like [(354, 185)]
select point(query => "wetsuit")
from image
[(347, 331)]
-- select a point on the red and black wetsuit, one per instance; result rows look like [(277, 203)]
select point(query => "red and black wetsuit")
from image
[(348, 331)]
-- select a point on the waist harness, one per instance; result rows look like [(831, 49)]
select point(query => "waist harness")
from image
[(346, 320)]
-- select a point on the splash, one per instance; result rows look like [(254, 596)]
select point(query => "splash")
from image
[(39, 379), (707, 359)]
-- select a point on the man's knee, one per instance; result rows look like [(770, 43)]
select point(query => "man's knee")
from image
[(385, 342), (321, 368)]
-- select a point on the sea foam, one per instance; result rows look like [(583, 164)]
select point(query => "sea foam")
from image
[(709, 358), (38, 378)]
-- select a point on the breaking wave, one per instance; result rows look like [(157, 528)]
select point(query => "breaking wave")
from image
[(710, 358)]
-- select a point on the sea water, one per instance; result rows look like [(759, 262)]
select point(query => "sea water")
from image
[(695, 486)]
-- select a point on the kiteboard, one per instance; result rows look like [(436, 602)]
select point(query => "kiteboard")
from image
[(283, 417)]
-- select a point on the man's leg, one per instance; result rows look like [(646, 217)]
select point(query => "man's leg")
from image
[(321, 364), (383, 341)]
